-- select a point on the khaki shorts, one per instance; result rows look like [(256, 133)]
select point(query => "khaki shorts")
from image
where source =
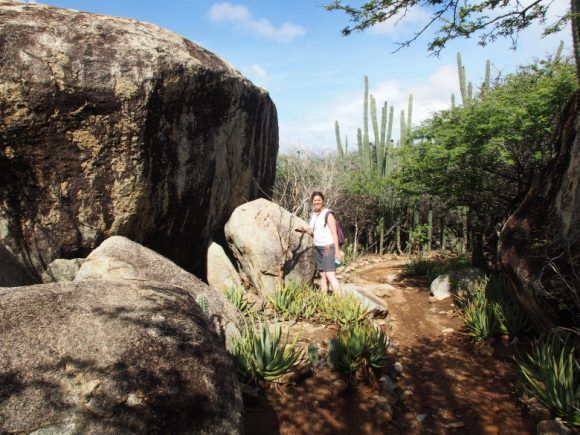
[(324, 258)]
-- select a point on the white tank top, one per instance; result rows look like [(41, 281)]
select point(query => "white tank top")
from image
[(322, 234)]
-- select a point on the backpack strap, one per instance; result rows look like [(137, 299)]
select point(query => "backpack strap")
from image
[(326, 216)]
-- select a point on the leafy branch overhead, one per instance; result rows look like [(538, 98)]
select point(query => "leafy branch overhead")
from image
[(489, 19)]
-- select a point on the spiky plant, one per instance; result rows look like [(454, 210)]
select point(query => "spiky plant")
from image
[(202, 301), (237, 296), (551, 372), (263, 355)]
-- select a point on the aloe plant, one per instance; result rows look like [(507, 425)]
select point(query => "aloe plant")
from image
[(237, 296), (359, 347), (263, 355), (202, 301), (551, 372)]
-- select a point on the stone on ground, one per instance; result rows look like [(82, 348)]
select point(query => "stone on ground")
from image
[(62, 270), (120, 259), (258, 233), (111, 126), (111, 357), (376, 306), (447, 284)]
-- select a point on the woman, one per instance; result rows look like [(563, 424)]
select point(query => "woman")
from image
[(325, 242)]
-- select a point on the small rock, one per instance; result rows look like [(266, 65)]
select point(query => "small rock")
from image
[(447, 330), (339, 386), (408, 393), (398, 367), (552, 427), (388, 383), (422, 417)]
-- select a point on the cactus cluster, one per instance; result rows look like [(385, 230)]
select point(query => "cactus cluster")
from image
[(466, 88), (376, 155)]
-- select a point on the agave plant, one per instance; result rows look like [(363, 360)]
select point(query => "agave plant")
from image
[(552, 374), (359, 347), (261, 354), (344, 310), (237, 296), (288, 300)]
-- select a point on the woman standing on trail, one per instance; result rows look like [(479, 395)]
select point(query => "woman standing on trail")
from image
[(323, 229)]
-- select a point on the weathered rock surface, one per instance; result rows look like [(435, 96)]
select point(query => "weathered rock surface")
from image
[(62, 270), (106, 357), (12, 272), (112, 126), (120, 259), (221, 273), (376, 306), (258, 233), (540, 243), (445, 285)]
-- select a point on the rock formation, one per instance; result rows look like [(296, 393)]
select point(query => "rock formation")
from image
[(221, 273), (540, 244), (12, 273), (259, 233), (112, 126), (120, 259), (111, 357)]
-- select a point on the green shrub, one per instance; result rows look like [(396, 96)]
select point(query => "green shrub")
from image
[(237, 296), (359, 348), (552, 374), (261, 355), (341, 309), (489, 309), (432, 268)]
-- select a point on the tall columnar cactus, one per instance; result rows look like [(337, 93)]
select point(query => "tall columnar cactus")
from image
[(487, 81), (338, 144), (558, 54), (375, 122), (469, 92), (452, 101), (462, 81), (409, 117)]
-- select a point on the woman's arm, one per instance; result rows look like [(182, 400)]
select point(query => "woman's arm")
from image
[(306, 230)]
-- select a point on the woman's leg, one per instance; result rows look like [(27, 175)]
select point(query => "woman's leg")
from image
[(334, 284), (323, 283)]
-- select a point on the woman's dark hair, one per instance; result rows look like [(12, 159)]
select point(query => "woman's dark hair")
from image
[(316, 194)]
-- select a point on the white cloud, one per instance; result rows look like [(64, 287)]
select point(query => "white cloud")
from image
[(402, 23), (429, 97), (243, 20), (258, 71)]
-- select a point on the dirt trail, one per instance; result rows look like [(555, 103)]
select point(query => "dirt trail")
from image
[(448, 385)]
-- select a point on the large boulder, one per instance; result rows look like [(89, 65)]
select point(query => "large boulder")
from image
[(221, 273), (12, 272), (112, 126), (106, 357), (260, 234), (540, 243), (120, 259)]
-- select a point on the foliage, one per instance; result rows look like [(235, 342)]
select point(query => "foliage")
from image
[(486, 155), (488, 19), (432, 268), (359, 347), (261, 355), (300, 301), (237, 296), (489, 309), (552, 374)]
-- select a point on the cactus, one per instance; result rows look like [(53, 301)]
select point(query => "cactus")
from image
[(409, 117), (469, 93), (201, 300), (346, 145), (462, 81), (452, 101), (487, 81), (558, 54), (374, 121), (338, 144)]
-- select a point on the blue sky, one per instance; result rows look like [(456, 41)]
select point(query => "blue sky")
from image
[(314, 75)]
